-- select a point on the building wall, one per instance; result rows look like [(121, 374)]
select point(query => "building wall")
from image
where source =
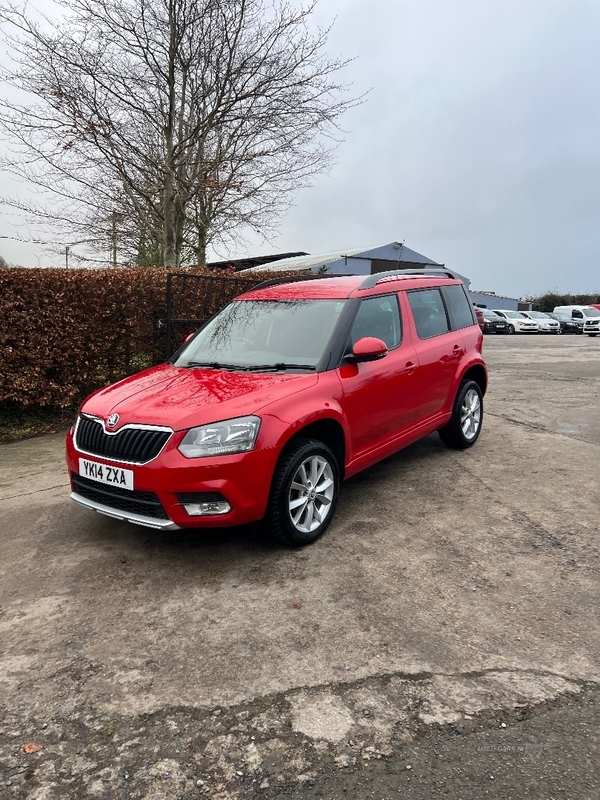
[(350, 266), (492, 301), (353, 265)]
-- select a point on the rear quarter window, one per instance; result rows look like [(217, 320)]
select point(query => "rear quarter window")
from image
[(459, 307)]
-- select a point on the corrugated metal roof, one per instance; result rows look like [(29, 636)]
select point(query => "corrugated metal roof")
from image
[(497, 296), (393, 252), (308, 262), (240, 264)]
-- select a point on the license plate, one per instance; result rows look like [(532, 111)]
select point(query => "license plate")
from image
[(113, 476)]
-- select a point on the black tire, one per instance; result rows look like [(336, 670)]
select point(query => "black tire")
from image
[(282, 527), (511, 329), (592, 334), (469, 399)]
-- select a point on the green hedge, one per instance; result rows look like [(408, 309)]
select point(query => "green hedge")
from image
[(64, 333), (549, 300)]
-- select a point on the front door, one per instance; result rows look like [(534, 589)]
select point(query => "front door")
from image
[(379, 396)]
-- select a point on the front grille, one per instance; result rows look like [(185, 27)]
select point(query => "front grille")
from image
[(146, 504), (135, 445)]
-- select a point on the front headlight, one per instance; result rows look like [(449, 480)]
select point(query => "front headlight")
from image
[(220, 438)]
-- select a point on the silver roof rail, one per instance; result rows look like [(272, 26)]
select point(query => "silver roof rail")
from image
[(372, 280), (295, 278)]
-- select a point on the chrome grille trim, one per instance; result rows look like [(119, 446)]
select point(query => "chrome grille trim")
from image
[(134, 443)]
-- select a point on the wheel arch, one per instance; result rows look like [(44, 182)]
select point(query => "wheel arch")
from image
[(326, 430), (478, 374)]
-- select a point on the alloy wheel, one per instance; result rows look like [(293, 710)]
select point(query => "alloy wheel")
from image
[(311, 493), (470, 414)]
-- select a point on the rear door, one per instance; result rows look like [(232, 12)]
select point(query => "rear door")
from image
[(439, 347)]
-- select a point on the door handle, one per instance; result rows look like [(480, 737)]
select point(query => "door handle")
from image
[(410, 367)]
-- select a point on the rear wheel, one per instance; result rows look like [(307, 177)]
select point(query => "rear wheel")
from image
[(467, 416), (304, 493)]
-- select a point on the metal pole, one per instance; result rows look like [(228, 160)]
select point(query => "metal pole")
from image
[(114, 238), (67, 248), (169, 314)]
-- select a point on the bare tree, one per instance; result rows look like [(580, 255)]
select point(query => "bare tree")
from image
[(185, 120)]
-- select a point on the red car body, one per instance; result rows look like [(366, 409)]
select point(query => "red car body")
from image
[(363, 411)]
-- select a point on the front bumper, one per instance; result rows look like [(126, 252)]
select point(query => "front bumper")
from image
[(242, 479), (126, 516)]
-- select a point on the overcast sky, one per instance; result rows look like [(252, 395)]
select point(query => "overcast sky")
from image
[(478, 144)]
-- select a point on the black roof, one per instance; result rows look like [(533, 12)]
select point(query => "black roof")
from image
[(254, 261)]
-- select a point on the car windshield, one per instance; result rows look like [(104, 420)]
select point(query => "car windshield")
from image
[(491, 314), (514, 314), (264, 334), (591, 312), (538, 315)]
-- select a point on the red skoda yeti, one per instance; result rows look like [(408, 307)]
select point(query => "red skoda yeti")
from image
[(293, 387)]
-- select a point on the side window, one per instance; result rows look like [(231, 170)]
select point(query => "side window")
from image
[(459, 307), (577, 314), (429, 312), (378, 317)]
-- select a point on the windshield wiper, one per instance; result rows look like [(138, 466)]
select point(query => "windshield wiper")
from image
[(279, 367), (215, 365)]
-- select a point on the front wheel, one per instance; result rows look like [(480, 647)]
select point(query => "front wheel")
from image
[(304, 493), (511, 328), (467, 416), (592, 334)]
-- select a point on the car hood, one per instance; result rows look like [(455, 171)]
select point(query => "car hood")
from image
[(181, 398)]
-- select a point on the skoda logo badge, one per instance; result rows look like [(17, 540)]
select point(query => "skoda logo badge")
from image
[(112, 420)]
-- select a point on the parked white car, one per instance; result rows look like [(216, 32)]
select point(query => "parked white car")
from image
[(589, 314), (545, 323), (517, 321)]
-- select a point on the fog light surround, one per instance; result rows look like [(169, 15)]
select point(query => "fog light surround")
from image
[(204, 504), (207, 509)]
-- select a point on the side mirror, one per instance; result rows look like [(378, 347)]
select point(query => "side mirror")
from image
[(367, 349)]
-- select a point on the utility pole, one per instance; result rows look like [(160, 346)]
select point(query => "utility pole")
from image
[(67, 248)]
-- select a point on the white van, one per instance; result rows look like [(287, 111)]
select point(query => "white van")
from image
[(589, 315)]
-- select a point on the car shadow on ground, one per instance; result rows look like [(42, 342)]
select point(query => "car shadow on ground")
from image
[(101, 545)]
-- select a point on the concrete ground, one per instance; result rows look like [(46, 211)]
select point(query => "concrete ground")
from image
[(452, 589)]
